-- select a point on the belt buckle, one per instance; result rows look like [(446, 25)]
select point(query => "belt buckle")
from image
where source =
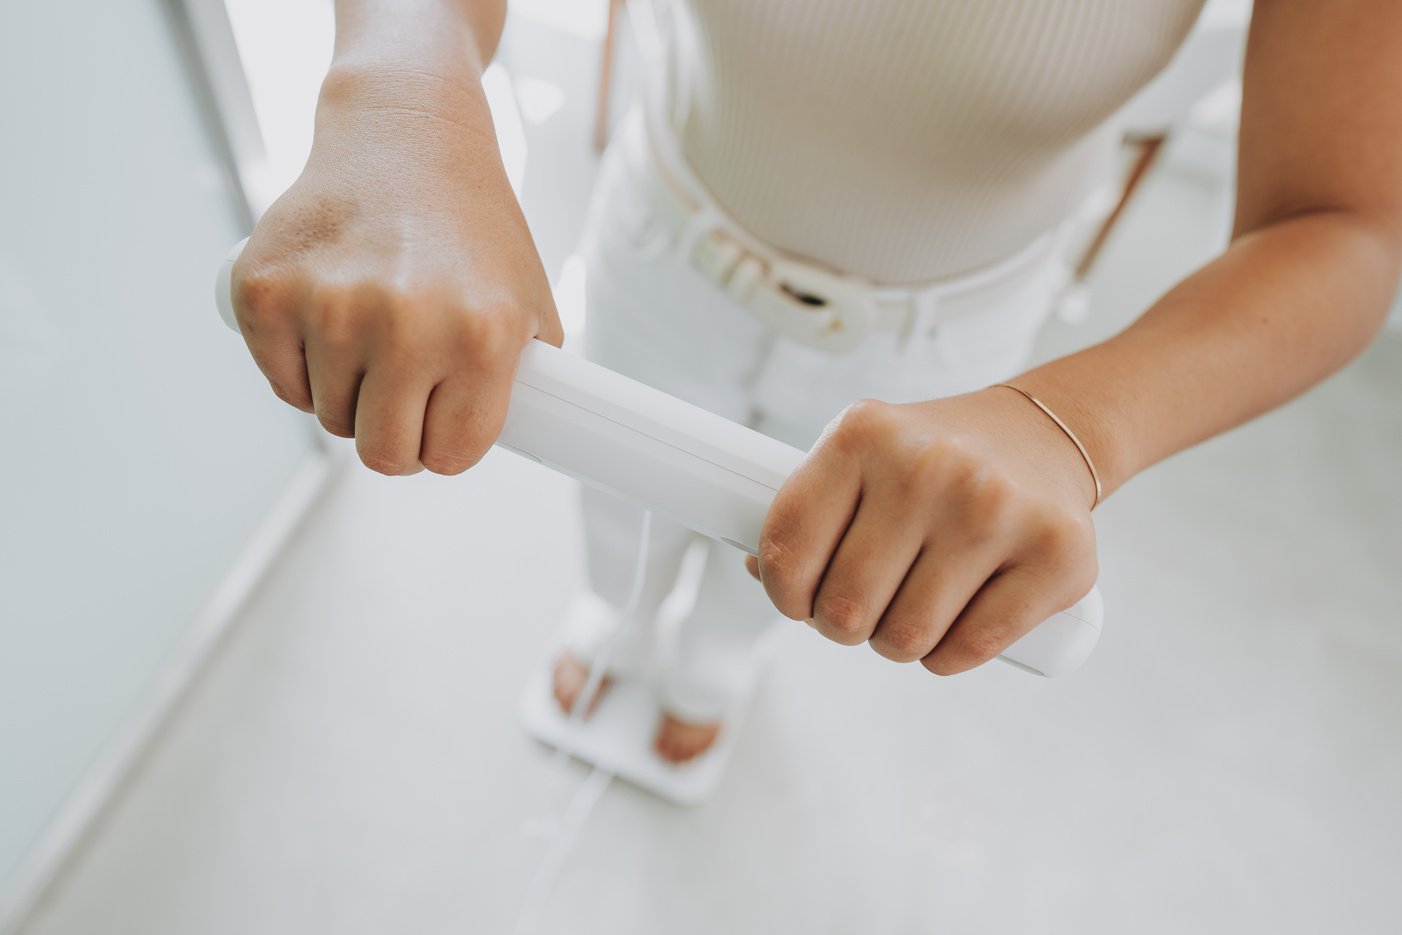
[(813, 307)]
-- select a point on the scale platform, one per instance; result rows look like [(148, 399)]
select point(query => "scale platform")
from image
[(618, 735)]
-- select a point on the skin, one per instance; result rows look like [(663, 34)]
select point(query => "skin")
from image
[(391, 290)]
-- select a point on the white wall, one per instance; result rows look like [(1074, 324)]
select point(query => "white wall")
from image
[(139, 447)]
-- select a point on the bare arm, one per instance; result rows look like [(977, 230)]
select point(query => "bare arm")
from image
[(943, 531), (391, 288), (1313, 263), (452, 37)]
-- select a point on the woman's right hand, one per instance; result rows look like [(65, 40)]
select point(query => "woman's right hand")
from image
[(391, 289)]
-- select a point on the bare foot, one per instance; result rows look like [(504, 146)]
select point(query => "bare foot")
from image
[(571, 675), (678, 741)]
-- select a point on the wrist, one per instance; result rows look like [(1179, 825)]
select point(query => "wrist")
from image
[(1031, 438), (1067, 435), (1061, 388), (367, 84)]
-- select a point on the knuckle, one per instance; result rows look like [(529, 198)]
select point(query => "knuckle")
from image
[(862, 424), (778, 572), (297, 400), (866, 411), (384, 461), (445, 466), (950, 460), (934, 461), (336, 425), (960, 654), (776, 560), (984, 644), (944, 453), (962, 651), (261, 290), (842, 619), (488, 337), (942, 662), (991, 501), (994, 493), (948, 464), (404, 326), (343, 313), (335, 317), (450, 462), (900, 640), (1063, 534)]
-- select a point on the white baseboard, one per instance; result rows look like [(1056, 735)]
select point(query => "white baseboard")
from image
[(66, 832)]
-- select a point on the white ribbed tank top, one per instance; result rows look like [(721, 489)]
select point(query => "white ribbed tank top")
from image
[(909, 140)]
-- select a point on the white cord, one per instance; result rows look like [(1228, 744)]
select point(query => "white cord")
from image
[(599, 667), (552, 864), (586, 797), (592, 789)]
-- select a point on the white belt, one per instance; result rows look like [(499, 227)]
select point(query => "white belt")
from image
[(809, 304)]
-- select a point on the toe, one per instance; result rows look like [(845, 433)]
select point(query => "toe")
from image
[(570, 678), (564, 684), (679, 741)]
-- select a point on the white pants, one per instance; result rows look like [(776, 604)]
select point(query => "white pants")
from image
[(652, 316)]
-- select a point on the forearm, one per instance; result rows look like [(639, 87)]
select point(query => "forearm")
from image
[(1281, 309), (450, 39), (411, 58), (402, 107), (391, 288)]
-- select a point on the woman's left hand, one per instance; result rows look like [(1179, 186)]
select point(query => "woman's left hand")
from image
[(940, 531)]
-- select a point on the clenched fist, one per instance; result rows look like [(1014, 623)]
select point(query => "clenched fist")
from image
[(391, 289), (938, 531)]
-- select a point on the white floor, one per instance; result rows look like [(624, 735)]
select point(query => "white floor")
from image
[(1229, 762)]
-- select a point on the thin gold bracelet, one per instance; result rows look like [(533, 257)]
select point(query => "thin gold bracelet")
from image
[(1085, 455)]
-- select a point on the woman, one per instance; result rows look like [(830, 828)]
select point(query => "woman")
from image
[(831, 201)]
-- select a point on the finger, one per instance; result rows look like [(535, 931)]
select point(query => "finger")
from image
[(265, 310), (464, 416), (803, 527), (284, 364), (1005, 609), (943, 579), (334, 373), (389, 419), (752, 566), (867, 568)]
